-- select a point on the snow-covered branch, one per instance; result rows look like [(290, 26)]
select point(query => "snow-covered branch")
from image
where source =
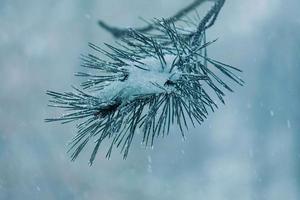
[(147, 82)]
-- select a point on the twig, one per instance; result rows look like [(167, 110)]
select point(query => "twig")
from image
[(120, 32), (209, 18)]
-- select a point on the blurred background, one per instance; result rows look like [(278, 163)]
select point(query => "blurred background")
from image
[(249, 149)]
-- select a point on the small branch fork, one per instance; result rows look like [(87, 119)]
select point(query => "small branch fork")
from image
[(207, 21)]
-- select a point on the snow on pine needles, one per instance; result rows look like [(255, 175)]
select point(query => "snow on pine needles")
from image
[(146, 82)]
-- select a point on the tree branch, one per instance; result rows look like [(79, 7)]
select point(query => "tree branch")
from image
[(120, 32), (209, 18)]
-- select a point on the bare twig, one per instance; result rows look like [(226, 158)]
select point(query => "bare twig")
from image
[(120, 32)]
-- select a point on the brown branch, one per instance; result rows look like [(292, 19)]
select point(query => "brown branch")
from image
[(120, 32)]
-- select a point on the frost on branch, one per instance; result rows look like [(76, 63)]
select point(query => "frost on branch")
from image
[(148, 82)]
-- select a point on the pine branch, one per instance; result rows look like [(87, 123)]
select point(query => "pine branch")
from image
[(147, 82)]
